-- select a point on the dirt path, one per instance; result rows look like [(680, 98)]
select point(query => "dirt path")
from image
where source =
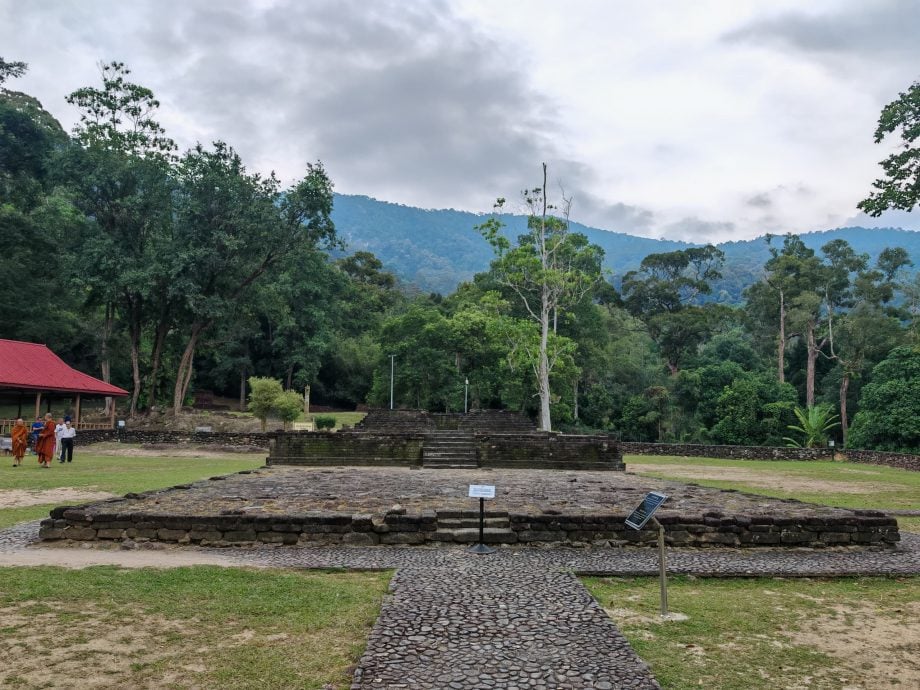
[(20, 498)]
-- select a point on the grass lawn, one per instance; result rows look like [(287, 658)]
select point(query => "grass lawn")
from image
[(202, 627), (843, 484), (102, 473), (750, 634)]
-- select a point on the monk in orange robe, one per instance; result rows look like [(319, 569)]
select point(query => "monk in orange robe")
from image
[(45, 444), (20, 436)]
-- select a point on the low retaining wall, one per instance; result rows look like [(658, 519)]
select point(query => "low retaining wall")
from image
[(329, 448), (878, 457), (712, 529), (541, 450), (158, 436), (694, 450)]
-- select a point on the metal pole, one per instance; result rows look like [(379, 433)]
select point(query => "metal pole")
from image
[(466, 393), (662, 567), (482, 520), (392, 369)]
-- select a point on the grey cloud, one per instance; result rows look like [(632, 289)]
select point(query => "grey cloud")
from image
[(761, 200), (879, 30), (403, 101), (693, 229)]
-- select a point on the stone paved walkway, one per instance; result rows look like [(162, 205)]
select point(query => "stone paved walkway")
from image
[(517, 618)]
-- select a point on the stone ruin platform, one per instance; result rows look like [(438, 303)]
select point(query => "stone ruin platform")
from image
[(417, 438), (376, 505)]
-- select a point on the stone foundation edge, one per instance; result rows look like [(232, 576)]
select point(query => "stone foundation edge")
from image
[(712, 529)]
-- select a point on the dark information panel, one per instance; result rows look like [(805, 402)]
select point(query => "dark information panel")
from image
[(646, 509)]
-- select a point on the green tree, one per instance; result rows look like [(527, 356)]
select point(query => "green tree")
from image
[(549, 270), (121, 179), (11, 70), (754, 409), (663, 293), (262, 396), (900, 188), (889, 415), (232, 228)]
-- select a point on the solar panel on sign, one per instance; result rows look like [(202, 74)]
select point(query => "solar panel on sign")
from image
[(646, 509)]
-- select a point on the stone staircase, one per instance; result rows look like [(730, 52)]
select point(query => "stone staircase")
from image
[(449, 449), (462, 527)]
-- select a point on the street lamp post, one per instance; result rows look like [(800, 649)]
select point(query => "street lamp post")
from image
[(392, 370), (466, 393)]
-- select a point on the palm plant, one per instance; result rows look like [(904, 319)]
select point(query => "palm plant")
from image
[(814, 423)]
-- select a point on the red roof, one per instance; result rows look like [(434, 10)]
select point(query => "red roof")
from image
[(34, 367)]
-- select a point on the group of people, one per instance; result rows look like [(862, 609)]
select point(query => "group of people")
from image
[(48, 439)]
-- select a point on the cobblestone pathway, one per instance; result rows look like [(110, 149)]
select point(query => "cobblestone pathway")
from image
[(518, 618)]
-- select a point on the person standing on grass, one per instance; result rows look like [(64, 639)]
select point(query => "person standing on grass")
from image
[(45, 444), (37, 426), (66, 436), (58, 428), (20, 437)]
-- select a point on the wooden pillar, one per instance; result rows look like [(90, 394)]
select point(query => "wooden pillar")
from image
[(76, 412), (112, 418), (19, 413), (38, 405)]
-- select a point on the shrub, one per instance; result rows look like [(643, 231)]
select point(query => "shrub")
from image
[(324, 422), (289, 406)]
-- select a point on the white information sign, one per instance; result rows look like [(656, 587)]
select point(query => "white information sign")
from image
[(482, 491)]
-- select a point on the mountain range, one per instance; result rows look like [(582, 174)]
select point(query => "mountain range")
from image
[(435, 250)]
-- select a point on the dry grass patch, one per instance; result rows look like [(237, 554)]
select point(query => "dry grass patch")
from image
[(762, 634), (202, 627)]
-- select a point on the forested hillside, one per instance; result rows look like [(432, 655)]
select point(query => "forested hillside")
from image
[(436, 250)]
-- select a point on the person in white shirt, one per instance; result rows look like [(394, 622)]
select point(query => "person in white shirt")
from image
[(67, 435), (58, 428)]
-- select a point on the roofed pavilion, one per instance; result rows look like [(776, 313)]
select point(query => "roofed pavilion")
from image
[(32, 369)]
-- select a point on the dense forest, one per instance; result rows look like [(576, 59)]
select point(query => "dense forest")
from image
[(172, 272)]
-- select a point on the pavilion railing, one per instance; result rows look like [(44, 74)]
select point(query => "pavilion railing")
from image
[(6, 425)]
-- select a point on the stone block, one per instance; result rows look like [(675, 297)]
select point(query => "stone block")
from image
[(765, 538), (412, 538), (165, 534), (80, 533), (529, 535), (241, 535), (110, 534), (48, 532), (835, 537), (797, 536), (271, 537), (360, 539), (205, 535)]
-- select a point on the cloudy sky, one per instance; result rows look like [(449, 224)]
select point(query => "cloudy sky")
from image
[(704, 120)]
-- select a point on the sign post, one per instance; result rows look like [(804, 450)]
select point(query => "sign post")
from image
[(637, 519), (482, 492)]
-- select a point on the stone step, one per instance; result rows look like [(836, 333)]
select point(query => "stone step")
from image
[(471, 536)]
